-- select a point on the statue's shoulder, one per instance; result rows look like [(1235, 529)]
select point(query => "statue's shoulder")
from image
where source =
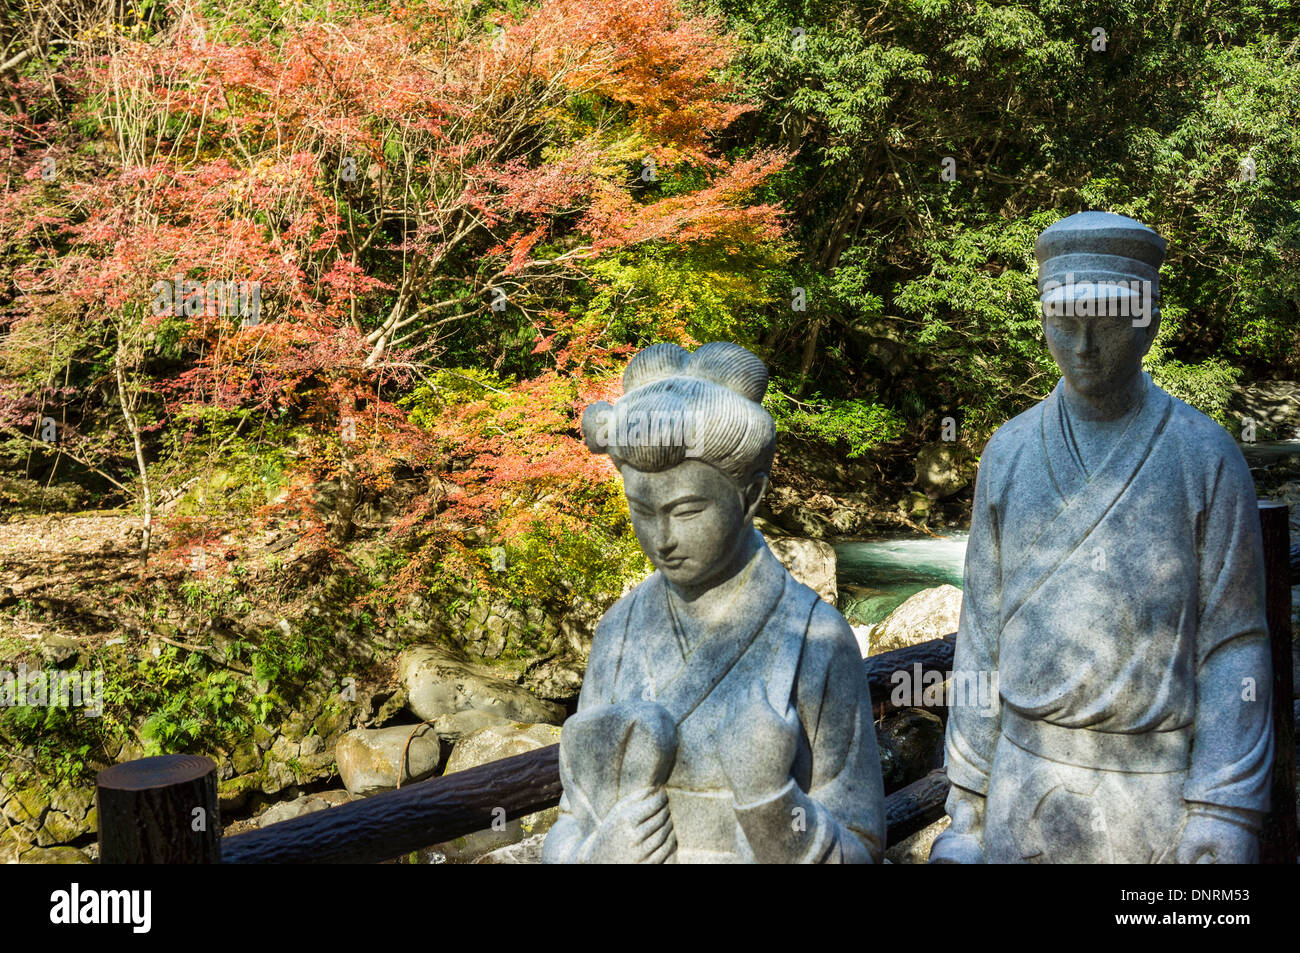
[(1202, 442), (829, 634), (1014, 437), (615, 619), (1194, 427)]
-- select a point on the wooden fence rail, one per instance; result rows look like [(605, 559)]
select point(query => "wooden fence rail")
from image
[(164, 810)]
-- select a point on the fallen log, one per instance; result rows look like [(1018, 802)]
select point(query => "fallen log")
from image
[(394, 823), (932, 656), (915, 807)]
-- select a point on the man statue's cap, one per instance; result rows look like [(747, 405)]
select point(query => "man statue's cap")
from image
[(1097, 248)]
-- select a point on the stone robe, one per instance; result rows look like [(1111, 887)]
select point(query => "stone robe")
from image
[(1123, 614), (803, 654)]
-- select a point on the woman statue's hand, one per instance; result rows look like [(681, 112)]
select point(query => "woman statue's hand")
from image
[(637, 830), (756, 746)]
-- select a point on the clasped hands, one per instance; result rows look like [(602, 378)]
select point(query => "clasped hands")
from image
[(756, 747), (1206, 839)]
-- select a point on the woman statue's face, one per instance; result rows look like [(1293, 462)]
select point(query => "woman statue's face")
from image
[(690, 519)]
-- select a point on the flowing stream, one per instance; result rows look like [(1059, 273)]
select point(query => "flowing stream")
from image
[(875, 577)]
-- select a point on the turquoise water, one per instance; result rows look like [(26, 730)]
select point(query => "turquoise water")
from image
[(876, 577)]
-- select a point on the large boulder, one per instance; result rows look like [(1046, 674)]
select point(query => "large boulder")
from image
[(438, 684), (369, 758), (930, 614), (1274, 405), (493, 744), (942, 469), (811, 561)]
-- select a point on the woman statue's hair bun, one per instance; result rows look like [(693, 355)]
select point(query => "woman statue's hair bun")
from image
[(722, 362), (732, 366), (593, 425), (679, 405), (654, 363)]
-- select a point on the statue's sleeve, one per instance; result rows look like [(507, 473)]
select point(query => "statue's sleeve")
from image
[(565, 838), (973, 729), (841, 817), (1232, 747)]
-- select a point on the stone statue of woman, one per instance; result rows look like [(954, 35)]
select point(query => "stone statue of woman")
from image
[(725, 715)]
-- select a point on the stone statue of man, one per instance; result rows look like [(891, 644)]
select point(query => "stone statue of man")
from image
[(1114, 588), (725, 715)]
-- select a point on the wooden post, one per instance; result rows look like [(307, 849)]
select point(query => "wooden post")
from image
[(159, 811), (1278, 845)]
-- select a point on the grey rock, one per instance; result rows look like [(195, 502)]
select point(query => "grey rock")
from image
[(1114, 586), (810, 561), (941, 469), (492, 744), (717, 687), (527, 851), (59, 650), (288, 810), (437, 684), (499, 741), (930, 614), (369, 758), (557, 679), (456, 725)]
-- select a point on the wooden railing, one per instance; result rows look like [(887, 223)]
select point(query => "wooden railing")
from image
[(164, 809)]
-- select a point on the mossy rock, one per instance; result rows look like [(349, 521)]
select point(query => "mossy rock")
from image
[(60, 828), (233, 794), (55, 855), (29, 806), (12, 844), (295, 727), (73, 801), (246, 758), (330, 723)]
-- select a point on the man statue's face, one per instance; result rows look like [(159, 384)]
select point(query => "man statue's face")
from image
[(1098, 354), (689, 519)]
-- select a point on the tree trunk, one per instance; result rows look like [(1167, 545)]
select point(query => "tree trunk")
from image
[(146, 495), (346, 504)]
